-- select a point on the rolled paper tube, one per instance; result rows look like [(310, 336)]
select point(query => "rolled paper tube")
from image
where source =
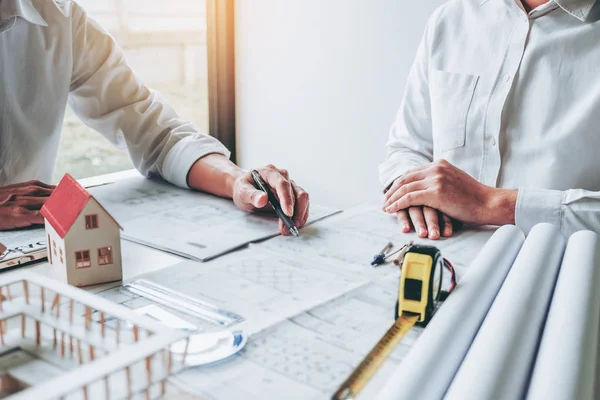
[(429, 367), (565, 367), (499, 362)]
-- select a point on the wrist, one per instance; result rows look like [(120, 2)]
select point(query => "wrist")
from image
[(501, 206), (233, 176), (214, 174)]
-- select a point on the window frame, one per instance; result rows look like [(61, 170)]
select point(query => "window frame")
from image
[(49, 249), (109, 255), (91, 218), (83, 259), (220, 44)]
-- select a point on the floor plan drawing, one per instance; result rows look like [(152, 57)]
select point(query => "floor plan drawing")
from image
[(188, 223), (263, 286), (314, 307)]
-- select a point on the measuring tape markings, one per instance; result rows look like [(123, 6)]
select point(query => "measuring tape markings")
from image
[(369, 366), (419, 289)]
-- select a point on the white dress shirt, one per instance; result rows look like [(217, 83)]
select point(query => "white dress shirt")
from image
[(513, 99), (51, 54)]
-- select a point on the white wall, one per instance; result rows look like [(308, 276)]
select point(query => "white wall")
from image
[(318, 85)]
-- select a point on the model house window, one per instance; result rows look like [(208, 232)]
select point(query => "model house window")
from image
[(105, 256), (82, 259), (91, 221), (54, 246), (49, 245), (61, 256)]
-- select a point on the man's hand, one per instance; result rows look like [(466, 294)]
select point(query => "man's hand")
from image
[(20, 204), (293, 199), (442, 186), (426, 221), (216, 174)]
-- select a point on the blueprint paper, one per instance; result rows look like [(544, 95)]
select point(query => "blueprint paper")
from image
[(263, 287), (307, 356), (309, 330), (452, 329), (355, 236), (565, 367), (500, 360), (191, 224)]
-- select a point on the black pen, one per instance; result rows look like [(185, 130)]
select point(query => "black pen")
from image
[(258, 180)]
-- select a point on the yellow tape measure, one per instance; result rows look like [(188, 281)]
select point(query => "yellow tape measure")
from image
[(367, 368), (419, 289)]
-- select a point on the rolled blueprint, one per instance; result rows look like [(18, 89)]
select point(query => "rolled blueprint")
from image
[(565, 367), (499, 362), (429, 367)]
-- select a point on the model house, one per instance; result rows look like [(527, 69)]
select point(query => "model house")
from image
[(84, 240)]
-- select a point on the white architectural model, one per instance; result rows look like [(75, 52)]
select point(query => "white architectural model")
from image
[(84, 240), (60, 342)]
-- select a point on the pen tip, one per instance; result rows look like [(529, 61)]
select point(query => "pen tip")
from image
[(295, 232)]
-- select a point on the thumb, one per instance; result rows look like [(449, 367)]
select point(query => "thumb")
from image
[(258, 198)]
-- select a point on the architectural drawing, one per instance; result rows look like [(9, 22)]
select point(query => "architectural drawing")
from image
[(308, 355), (355, 236), (191, 224), (313, 306), (48, 351), (262, 286), (289, 279), (84, 240)]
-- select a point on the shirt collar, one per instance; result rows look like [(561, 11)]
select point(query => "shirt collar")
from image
[(20, 8), (580, 9)]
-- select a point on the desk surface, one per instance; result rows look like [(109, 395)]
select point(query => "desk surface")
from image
[(252, 375)]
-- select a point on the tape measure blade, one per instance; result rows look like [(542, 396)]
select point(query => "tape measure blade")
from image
[(359, 378)]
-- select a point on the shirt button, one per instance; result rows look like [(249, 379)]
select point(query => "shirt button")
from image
[(506, 78), (493, 141)]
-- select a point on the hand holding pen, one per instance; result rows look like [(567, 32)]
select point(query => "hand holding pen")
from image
[(290, 199)]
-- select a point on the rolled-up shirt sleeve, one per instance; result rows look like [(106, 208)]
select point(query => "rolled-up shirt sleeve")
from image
[(570, 210), (110, 98)]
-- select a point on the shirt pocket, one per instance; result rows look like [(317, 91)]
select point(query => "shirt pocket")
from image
[(451, 97)]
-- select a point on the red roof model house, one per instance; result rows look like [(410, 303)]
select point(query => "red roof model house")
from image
[(84, 240)]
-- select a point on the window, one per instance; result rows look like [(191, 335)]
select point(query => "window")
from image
[(49, 250), (82, 259), (105, 256), (170, 31), (61, 256), (54, 247), (91, 221)]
